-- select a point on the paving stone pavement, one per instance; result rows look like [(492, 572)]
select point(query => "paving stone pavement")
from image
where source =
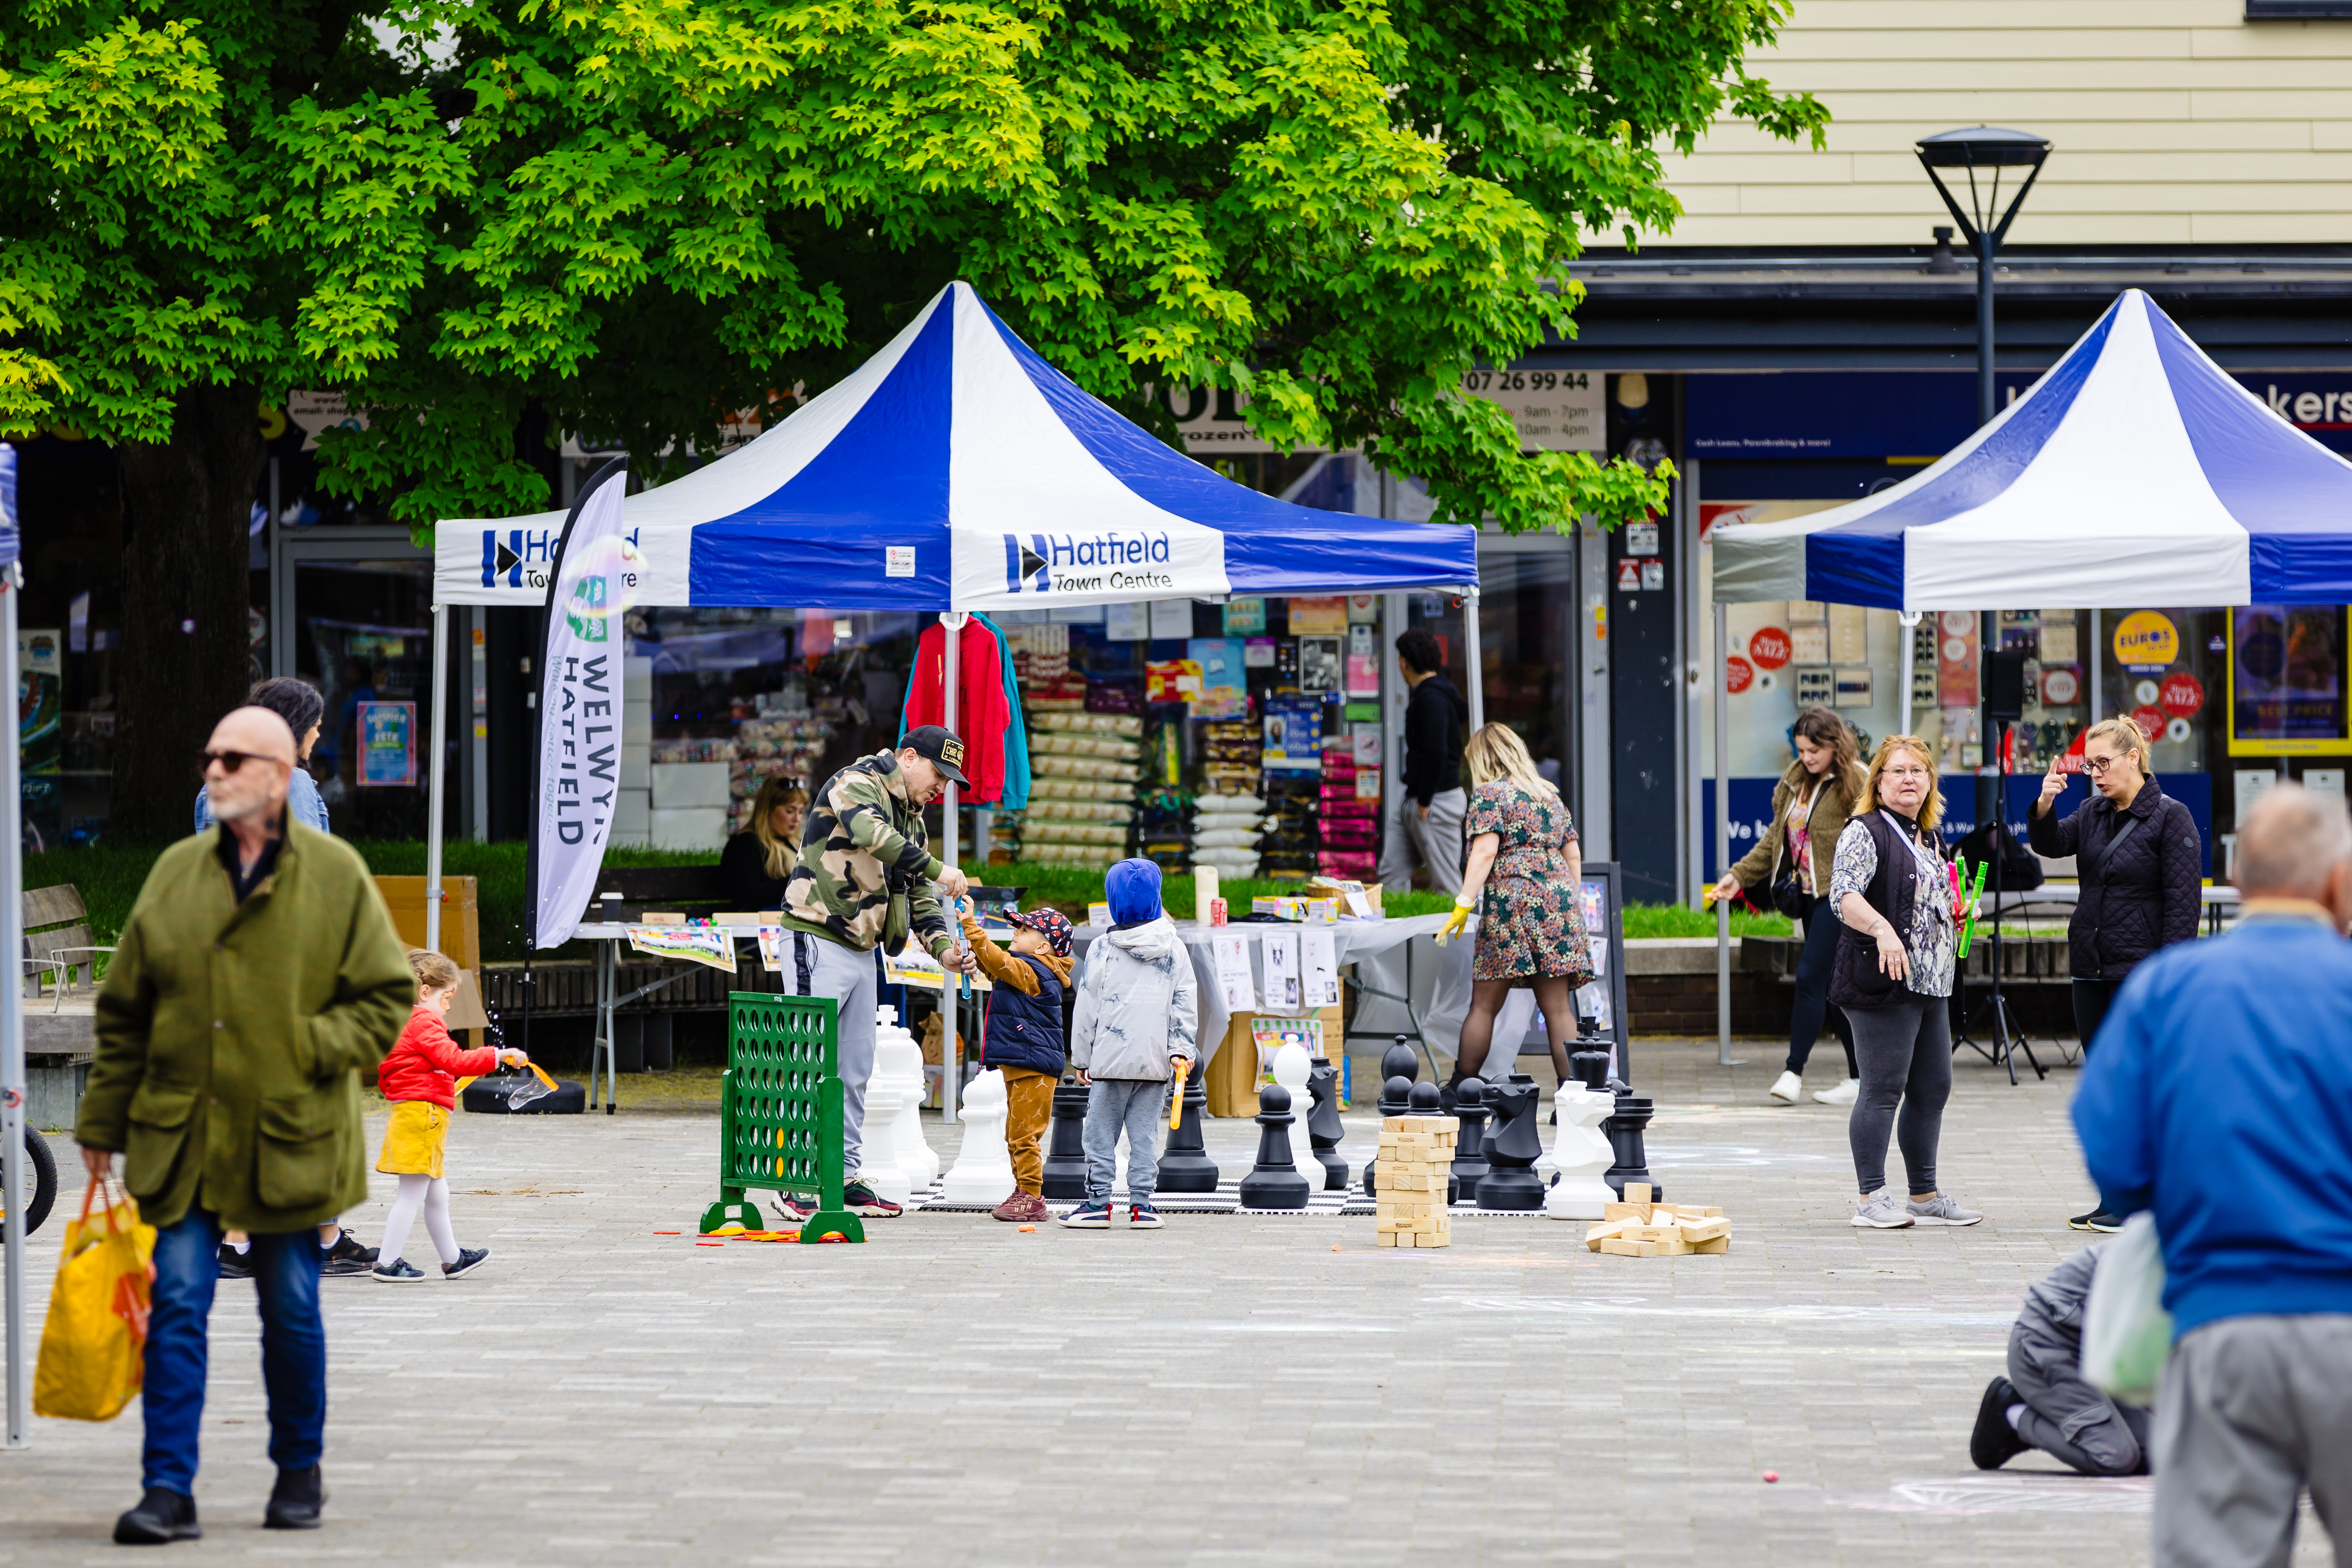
[(1228, 1390)]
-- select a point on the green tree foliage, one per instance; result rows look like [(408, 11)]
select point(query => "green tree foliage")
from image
[(642, 216), (630, 218)]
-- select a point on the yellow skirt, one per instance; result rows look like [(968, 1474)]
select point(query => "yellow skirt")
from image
[(412, 1144)]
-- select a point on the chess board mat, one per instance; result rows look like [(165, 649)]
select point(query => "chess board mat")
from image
[(1227, 1199)]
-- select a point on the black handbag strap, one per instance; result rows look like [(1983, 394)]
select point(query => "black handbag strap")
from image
[(2121, 834)]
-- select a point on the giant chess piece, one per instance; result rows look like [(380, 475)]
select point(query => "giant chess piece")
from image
[(1066, 1144), (1399, 1067), (1470, 1167), (1292, 1068), (1580, 1154), (1275, 1183), (984, 1167), (1513, 1148), (1324, 1129), (1624, 1130), (896, 1054), (1427, 1100), (1185, 1165), (886, 1094)]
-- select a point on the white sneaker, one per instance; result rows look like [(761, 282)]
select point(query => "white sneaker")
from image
[(1880, 1211), (1843, 1094), (1787, 1088), (1941, 1210)]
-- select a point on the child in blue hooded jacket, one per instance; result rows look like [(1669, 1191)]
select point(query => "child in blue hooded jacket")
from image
[(1137, 1013)]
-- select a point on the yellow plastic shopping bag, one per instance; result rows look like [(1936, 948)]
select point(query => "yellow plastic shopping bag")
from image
[(94, 1345)]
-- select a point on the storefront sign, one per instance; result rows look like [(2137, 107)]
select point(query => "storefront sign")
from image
[(1553, 410), (2151, 721), (1769, 647), (1739, 675), (1641, 539), (2181, 694), (2286, 680), (2061, 686), (2146, 642), (1629, 576), (1956, 659), (387, 744)]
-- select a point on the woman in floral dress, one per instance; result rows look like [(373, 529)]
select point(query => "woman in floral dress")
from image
[(1524, 878)]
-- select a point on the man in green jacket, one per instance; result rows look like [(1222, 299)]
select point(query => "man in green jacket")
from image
[(866, 879), (257, 977)]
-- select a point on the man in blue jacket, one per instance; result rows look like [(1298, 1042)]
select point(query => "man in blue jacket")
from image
[(2220, 1098)]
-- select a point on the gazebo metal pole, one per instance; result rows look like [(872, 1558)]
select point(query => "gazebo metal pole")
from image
[(1722, 837), (1910, 619), (1473, 656), (12, 1033), (432, 778), (951, 1036)]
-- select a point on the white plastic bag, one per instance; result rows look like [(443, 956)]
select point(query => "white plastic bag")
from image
[(2127, 1332)]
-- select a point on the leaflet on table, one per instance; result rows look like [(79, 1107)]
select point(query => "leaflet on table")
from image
[(1283, 993), (1230, 960), (1319, 955), (772, 949), (916, 966), (697, 941)]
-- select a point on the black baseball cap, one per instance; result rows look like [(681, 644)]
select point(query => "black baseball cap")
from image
[(944, 751)]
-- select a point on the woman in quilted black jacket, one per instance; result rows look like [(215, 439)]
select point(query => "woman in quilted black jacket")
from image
[(2139, 863)]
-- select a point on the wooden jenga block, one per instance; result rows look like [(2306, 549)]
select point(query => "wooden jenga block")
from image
[(1714, 1244), (1600, 1232), (1637, 1192), (1433, 1239), (1384, 1239), (1621, 1247), (1704, 1229), (1640, 1212)]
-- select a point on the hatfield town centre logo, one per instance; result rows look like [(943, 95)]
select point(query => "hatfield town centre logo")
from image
[(1076, 564), (521, 557)]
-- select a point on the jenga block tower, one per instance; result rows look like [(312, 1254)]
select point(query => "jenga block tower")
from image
[(1416, 1159)]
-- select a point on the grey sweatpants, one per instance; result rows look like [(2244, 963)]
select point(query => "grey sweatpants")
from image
[(816, 967), (2253, 1410), (1904, 1051), (1137, 1107), (1435, 841), (2064, 1416)]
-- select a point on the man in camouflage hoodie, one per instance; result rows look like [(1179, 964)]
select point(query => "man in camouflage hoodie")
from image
[(866, 877)]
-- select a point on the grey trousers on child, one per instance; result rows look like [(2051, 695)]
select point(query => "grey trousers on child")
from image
[(1138, 1106), (2251, 1411)]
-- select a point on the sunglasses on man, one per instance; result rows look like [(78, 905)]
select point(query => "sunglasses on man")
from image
[(230, 761)]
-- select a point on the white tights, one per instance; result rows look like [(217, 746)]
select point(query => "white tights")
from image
[(430, 1193)]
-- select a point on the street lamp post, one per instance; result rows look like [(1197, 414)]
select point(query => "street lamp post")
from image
[(1986, 151)]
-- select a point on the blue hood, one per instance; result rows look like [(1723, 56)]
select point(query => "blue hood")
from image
[(1133, 888)]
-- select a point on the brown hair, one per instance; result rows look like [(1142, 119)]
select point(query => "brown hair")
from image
[(433, 971), (1823, 728), (2125, 735), (1931, 810), (776, 790)]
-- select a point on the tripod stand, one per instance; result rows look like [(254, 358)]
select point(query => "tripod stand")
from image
[(2008, 1036)]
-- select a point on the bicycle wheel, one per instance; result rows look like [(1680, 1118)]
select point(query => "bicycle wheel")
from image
[(40, 1182)]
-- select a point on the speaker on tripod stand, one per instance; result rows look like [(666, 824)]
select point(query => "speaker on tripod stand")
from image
[(2004, 704)]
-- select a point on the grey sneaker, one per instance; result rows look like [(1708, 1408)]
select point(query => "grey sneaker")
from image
[(1879, 1211), (1941, 1210)]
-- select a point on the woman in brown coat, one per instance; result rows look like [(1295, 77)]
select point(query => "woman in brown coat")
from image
[(1810, 806)]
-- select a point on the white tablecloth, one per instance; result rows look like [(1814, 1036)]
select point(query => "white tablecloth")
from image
[(1361, 942)]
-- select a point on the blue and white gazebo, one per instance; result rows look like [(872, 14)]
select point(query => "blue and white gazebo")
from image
[(2136, 471)]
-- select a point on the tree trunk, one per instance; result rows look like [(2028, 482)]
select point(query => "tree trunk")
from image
[(187, 508)]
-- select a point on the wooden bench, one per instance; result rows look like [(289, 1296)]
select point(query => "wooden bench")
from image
[(58, 944)]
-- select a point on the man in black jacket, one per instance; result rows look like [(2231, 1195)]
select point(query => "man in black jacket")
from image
[(1425, 822)]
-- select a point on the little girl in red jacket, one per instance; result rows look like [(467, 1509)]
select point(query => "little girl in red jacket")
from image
[(420, 1078)]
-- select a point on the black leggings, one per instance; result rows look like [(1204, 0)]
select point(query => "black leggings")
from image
[(1906, 1048), (2092, 998), (1813, 964)]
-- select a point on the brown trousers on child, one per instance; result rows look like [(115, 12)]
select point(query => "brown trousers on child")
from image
[(1029, 1106)]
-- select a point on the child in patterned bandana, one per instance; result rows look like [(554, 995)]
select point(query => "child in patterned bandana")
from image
[(1023, 1037)]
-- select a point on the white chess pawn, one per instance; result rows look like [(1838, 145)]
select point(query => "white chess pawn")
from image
[(896, 1054), (878, 1158), (1292, 1067), (1582, 1153), (984, 1167)]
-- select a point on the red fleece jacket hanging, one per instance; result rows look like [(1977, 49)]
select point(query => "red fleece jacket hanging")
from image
[(982, 718)]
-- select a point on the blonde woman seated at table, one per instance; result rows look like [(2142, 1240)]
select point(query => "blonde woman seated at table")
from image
[(1524, 876), (757, 861)]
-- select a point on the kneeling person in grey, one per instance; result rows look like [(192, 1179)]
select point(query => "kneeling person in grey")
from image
[(2044, 1403), (1137, 1013)]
